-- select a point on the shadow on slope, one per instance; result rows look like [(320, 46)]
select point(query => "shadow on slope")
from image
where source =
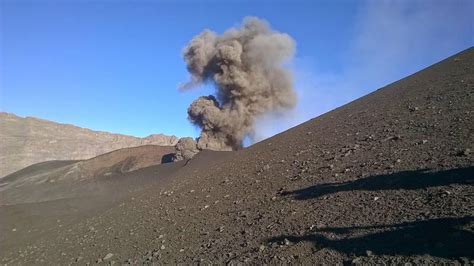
[(410, 180), (167, 158), (37, 168), (51, 177), (444, 237)]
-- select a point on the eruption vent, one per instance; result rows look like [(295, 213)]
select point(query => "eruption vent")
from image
[(245, 65)]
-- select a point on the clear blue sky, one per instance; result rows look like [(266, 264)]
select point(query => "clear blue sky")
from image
[(115, 65)]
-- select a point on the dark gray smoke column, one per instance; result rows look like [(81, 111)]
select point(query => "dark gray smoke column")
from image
[(245, 64)]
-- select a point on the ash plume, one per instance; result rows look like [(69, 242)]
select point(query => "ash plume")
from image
[(186, 148), (246, 66)]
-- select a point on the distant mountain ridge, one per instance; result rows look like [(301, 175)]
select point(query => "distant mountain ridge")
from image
[(29, 140)]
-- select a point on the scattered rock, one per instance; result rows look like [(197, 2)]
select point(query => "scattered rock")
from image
[(108, 256), (464, 152)]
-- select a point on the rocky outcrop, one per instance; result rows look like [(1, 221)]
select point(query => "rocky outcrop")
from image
[(186, 148), (26, 141)]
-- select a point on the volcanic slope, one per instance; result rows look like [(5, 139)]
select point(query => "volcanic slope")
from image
[(67, 179), (43, 196), (387, 178)]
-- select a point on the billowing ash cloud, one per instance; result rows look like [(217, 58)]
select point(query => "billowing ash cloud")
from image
[(245, 65), (186, 148)]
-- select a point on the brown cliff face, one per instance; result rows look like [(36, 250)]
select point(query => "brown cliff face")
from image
[(26, 141)]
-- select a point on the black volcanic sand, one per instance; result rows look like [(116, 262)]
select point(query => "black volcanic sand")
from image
[(387, 178)]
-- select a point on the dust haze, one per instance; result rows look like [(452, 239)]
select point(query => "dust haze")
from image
[(246, 66)]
